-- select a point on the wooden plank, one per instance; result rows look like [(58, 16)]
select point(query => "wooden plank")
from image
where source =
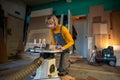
[(3, 52), (115, 28)]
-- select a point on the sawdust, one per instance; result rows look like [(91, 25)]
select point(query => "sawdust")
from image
[(69, 77)]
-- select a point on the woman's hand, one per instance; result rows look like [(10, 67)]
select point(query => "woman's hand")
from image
[(60, 47)]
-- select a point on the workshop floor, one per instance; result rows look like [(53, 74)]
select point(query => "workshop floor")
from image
[(79, 69)]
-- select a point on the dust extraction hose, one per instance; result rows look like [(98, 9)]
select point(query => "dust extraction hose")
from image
[(29, 69)]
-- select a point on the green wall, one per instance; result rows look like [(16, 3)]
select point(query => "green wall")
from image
[(78, 7)]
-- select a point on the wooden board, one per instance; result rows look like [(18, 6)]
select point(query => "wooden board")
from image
[(3, 53), (69, 77)]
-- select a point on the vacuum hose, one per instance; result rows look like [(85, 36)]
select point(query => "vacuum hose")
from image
[(29, 69)]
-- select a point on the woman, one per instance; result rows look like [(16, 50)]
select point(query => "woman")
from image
[(61, 37)]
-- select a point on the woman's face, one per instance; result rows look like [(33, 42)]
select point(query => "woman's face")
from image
[(52, 22)]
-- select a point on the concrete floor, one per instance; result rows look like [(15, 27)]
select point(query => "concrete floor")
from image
[(79, 69)]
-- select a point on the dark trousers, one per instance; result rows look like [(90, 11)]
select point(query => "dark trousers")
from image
[(63, 64)]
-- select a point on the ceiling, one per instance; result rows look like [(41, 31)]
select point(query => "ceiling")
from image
[(34, 2)]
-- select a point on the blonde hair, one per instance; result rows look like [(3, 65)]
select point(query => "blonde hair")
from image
[(52, 18)]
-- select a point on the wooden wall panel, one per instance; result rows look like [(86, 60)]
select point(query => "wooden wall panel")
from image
[(115, 27), (14, 38), (100, 28), (37, 23), (95, 11), (3, 51), (101, 41), (39, 34)]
